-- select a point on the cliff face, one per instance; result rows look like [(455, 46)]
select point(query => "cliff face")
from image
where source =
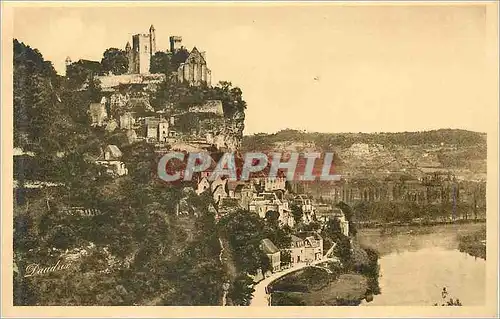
[(213, 115), (225, 132), (233, 131), (461, 152)]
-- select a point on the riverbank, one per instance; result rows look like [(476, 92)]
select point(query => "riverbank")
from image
[(474, 244), (330, 284), (417, 262), (388, 239), (374, 224), (346, 290)]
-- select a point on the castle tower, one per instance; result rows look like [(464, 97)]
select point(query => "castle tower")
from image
[(139, 55), (175, 43), (152, 40), (128, 52)]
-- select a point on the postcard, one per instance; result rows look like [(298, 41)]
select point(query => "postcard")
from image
[(253, 159)]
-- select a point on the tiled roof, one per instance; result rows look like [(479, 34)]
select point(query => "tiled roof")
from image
[(296, 239), (268, 247), (115, 151)]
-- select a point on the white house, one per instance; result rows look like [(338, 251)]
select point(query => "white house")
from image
[(111, 158)]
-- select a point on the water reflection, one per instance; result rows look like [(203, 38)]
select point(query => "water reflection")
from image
[(414, 268)]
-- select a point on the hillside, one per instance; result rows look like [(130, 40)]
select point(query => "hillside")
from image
[(460, 151)]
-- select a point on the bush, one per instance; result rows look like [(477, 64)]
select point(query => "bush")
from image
[(286, 299)]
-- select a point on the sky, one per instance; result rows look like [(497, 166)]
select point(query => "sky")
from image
[(318, 67)]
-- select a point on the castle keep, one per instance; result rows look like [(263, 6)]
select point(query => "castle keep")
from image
[(139, 55)]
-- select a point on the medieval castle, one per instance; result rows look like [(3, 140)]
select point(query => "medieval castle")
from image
[(127, 93), (194, 70)]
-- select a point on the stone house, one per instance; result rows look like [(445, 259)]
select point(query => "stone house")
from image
[(269, 201), (152, 129), (157, 129), (272, 253), (163, 132), (218, 187), (127, 121), (203, 185), (306, 247), (111, 158), (313, 247), (307, 207), (297, 250), (98, 113)]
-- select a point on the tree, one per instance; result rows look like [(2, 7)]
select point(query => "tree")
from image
[(349, 215), (115, 61), (272, 217), (312, 226), (343, 250), (161, 63), (280, 236), (241, 291), (81, 71), (265, 262), (244, 232), (297, 212), (232, 100), (286, 257), (179, 57), (140, 160)]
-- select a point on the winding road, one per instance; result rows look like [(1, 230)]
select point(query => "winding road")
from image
[(261, 298)]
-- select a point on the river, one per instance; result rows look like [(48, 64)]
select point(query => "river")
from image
[(417, 262)]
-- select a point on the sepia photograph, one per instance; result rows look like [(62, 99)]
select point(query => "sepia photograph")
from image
[(261, 155)]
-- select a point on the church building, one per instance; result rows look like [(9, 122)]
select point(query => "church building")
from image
[(194, 70)]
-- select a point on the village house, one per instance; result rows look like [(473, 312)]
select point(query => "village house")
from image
[(163, 132), (325, 212), (132, 136), (111, 158), (218, 188), (203, 185), (307, 206), (127, 121), (322, 211), (244, 192), (272, 253), (338, 214), (98, 113), (269, 201), (269, 184), (306, 247), (297, 252), (157, 129), (313, 247), (151, 124)]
